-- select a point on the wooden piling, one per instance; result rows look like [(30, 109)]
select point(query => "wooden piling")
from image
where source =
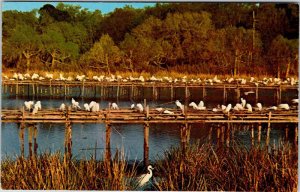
[(65, 86), (256, 95), (259, 133), (107, 142), (184, 135), (224, 95), (172, 93), (269, 129), (35, 145), (209, 134), (296, 136), (238, 94), (222, 133), (17, 88), (228, 135), (68, 137), (252, 135), (21, 137), (146, 144), (203, 92), (118, 90), (286, 133), (30, 136), (82, 92), (50, 87), (33, 89)]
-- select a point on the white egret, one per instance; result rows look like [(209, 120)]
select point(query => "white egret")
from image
[(28, 105), (38, 105), (249, 107), (92, 103), (178, 104), (34, 76), (140, 107), (168, 112), (272, 108), (75, 104), (144, 178), (228, 108), (215, 110), (284, 106), (132, 106), (35, 110), (86, 107), (194, 105), (159, 109), (243, 102), (295, 100), (201, 105), (259, 106), (62, 107), (114, 106), (223, 107)]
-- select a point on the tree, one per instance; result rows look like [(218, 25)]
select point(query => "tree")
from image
[(24, 41), (58, 47), (103, 55), (283, 52)]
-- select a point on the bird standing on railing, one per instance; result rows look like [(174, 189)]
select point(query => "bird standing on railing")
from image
[(114, 106), (140, 107), (62, 107), (284, 106), (28, 105), (75, 104), (249, 107), (201, 106), (179, 105), (144, 178)]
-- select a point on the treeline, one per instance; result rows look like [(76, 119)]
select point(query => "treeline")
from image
[(209, 38)]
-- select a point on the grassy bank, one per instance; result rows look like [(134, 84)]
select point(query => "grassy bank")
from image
[(159, 74), (203, 167)]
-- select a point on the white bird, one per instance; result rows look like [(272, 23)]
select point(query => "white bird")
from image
[(243, 102), (159, 109), (168, 112), (92, 103), (295, 100), (114, 106), (284, 106), (38, 105), (215, 110), (75, 104), (144, 178), (201, 105), (259, 106), (249, 107), (239, 106), (62, 107), (35, 110), (34, 76), (178, 104), (227, 109), (140, 107), (132, 106), (95, 107), (194, 105), (28, 105), (86, 107), (273, 108)]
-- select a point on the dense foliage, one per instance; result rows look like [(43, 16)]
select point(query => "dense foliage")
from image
[(208, 38)]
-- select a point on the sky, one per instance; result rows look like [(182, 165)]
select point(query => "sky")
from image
[(104, 7)]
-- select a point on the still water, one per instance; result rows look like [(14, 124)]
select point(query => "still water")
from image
[(89, 139)]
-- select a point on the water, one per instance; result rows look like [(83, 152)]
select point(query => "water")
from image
[(89, 139)]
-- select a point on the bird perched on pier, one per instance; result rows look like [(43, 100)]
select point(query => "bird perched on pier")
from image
[(75, 104), (38, 105), (249, 107), (259, 106), (28, 105), (62, 107), (243, 102), (144, 178), (132, 106), (140, 107), (92, 103), (34, 76), (284, 106), (228, 108), (201, 106), (168, 112), (272, 108), (114, 106), (95, 107), (194, 105), (295, 101), (179, 105), (86, 107), (35, 110)]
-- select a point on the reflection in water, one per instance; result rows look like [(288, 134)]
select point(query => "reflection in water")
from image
[(88, 140)]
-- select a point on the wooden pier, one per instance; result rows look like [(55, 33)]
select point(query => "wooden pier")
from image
[(148, 117), (134, 90)]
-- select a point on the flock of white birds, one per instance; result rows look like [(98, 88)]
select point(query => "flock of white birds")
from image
[(184, 79), (95, 107)]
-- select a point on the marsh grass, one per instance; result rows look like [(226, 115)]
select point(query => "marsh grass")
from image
[(203, 167), (207, 168)]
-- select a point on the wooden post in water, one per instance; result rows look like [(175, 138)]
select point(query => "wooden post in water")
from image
[(218, 134), (184, 135), (256, 95), (238, 94), (209, 134), (33, 89), (172, 92), (118, 91), (224, 95), (286, 132), (269, 129), (21, 137), (35, 145), (203, 92), (259, 133), (252, 135), (146, 144), (68, 137), (222, 133), (82, 93), (228, 135), (50, 87), (30, 134), (132, 92), (65, 89), (296, 135), (17, 87)]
